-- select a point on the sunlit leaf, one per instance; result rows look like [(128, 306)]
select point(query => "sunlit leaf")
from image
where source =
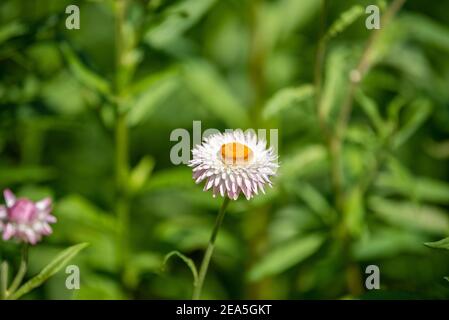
[(413, 216), (418, 113), (286, 98), (344, 21), (442, 244), (206, 83), (285, 256), (178, 18), (52, 268)]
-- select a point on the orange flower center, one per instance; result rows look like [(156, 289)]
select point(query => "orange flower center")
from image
[(235, 152)]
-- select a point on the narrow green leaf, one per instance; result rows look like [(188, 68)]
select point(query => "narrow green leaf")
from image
[(344, 21), (419, 188), (10, 30), (51, 269), (140, 174), (80, 211), (286, 98), (410, 215), (86, 76), (426, 30), (207, 84), (147, 102), (178, 18), (314, 200), (11, 175), (336, 81), (442, 244), (419, 111), (187, 260), (285, 256), (371, 109), (354, 212), (303, 161)]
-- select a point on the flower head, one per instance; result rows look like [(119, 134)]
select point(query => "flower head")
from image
[(24, 219), (234, 162)]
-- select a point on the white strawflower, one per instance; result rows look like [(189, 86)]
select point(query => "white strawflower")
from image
[(234, 162)]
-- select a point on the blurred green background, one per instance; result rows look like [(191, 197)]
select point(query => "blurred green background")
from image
[(86, 117)]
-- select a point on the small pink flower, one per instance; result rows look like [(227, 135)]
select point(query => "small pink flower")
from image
[(24, 219)]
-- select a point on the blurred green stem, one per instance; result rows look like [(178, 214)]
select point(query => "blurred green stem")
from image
[(3, 280), (210, 249), (318, 72), (336, 141), (121, 140), (365, 63), (22, 270)]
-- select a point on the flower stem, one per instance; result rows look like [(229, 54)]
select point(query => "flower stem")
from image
[(121, 140), (22, 270), (3, 280), (210, 249)]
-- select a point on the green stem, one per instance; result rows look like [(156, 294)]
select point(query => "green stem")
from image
[(122, 173), (22, 270), (210, 249), (3, 280), (121, 140), (336, 143)]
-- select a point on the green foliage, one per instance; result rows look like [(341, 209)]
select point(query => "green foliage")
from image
[(442, 244), (86, 117), (285, 256), (51, 269), (189, 262)]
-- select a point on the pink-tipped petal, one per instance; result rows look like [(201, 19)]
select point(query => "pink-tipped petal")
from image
[(44, 204), (10, 198), (9, 231), (50, 219), (3, 212), (31, 236), (47, 230)]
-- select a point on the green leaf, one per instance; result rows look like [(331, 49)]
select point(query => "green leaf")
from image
[(144, 84), (140, 174), (51, 269), (314, 200), (344, 21), (187, 260), (178, 18), (82, 212), (354, 212), (86, 76), (336, 81), (286, 98), (11, 175), (285, 256), (11, 30), (146, 103), (410, 215), (426, 30), (207, 84), (419, 111), (303, 161), (442, 244), (419, 188), (371, 109), (387, 242), (170, 178)]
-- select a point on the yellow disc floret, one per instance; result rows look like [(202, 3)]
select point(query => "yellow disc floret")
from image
[(235, 152)]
